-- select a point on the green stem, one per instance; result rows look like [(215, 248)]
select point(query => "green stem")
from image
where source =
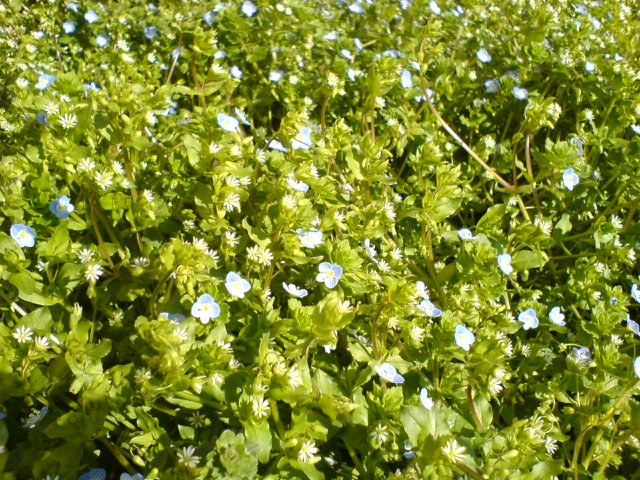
[(472, 408)]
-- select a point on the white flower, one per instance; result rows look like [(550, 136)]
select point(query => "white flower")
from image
[(261, 408), (231, 239), (504, 262), (68, 121), (187, 457), (236, 285), (41, 343), (570, 179), (425, 399), (307, 453), (464, 337), (453, 451), (389, 373), (103, 179), (380, 434), (556, 316), (93, 272), (550, 445), (291, 289), (23, 334)]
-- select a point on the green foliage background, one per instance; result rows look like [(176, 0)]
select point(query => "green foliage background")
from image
[(167, 203)]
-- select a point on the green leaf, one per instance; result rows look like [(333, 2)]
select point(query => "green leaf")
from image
[(39, 321), (24, 282), (528, 259), (259, 440)]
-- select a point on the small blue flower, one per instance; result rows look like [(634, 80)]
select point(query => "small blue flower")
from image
[(329, 274), (504, 262), (69, 27), (465, 234), (425, 399), (429, 308), (209, 18), (42, 118), (492, 85), (405, 79), (633, 325), (236, 72), (310, 238), (151, 32), (528, 318), (236, 285), (352, 74), (175, 318), (102, 40), (73, 6), (298, 186), (483, 56), (227, 122), (90, 87), (557, 317), (220, 54), (249, 9), (636, 366), (291, 289), (44, 81), (464, 337), (635, 128), (370, 250), (302, 141), (126, 476), (276, 75), (61, 207), (570, 179), (331, 36), (23, 234), (520, 93), (91, 16), (635, 292), (95, 474), (358, 44), (36, 417), (389, 373), (434, 7), (205, 308), (356, 7), (346, 54), (276, 145), (3, 415), (589, 67)]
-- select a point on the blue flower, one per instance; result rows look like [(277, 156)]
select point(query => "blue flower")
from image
[(69, 27), (91, 16), (483, 56), (296, 185), (557, 317), (570, 178), (249, 9), (90, 86), (3, 415), (434, 7), (429, 308), (356, 7), (633, 325), (94, 474), (236, 285), (504, 262), (276, 75), (23, 234), (126, 476), (635, 128), (528, 318), (329, 274), (347, 54), (310, 238), (465, 234), (370, 250), (205, 308), (635, 292), (352, 74), (389, 373), (236, 72), (209, 18), (492, 85), (73, 6), (36, 417), (102, 40), (151, 32), (464, 337), (425, 399), (274, 144), (175, 318), (405, 79), (358, 44), (589, 67), (520, 93), (61, 207), (291, 289), (636, 366), (42, 118), (302, 141), (227, 122), (44, 81)]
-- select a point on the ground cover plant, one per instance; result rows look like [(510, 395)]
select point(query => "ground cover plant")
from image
[(375, 239)]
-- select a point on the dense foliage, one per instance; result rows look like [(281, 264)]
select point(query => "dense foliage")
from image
[(319, 239)]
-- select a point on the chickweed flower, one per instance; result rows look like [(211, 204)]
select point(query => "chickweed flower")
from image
[(291, 289), (187, 458), (23, 234), (307, 453), (453, 451), (504, 262), (93, 272), (570, 179), (329, 274), (389, 373), (556, 316), (464, 337), (380, 434), (68, 121), (261, 408), (528, 318), (23, 334), (236, 285), (205, 308), (61, 207)]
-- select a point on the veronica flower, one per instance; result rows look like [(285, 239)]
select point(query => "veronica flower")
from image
[(504, 262), (352, 74), (69, 27), (137, 476), (236, 72), (102, 40), (205, 308), (570, 179), (389, 373), (329, 274), (41, 117), (90, 86), (249, 9), (636, 366), (36, 417), (425, 399), (276, 75), (311, 238), (429, 308), (589, 67), (370, 250), (465, 234), (434, 7), (236, 285), (227, 122), (299, 186), (635, 292), (356, 7), (44, 80), (405, 79), (23, 234), (151, 32), (483, 56), (492, 85), (291, 289), (302, 141), (209, 18), (61, 207), (635, 128), (528, 318), (91, 16), (520, 93), (557, 317), (331, 36), (464, 337), (94, 474)]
